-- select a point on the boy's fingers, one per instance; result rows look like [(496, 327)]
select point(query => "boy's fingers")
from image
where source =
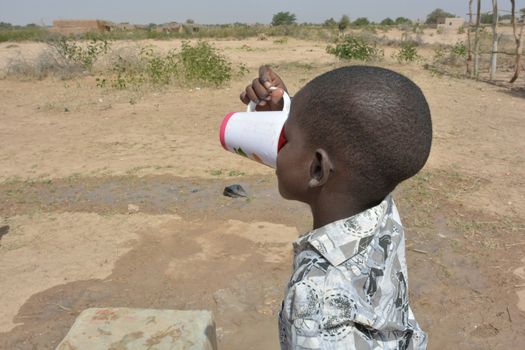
[(266, 91), (260, 90), (244, 98), (251, 94), (276, 101), (269, 78), (265, 76)]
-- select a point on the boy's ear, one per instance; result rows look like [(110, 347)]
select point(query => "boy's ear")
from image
[(320, 168)]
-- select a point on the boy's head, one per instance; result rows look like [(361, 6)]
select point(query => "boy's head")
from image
[(359, 130)]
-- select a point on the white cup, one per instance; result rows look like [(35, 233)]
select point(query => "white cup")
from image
[(256, 135)]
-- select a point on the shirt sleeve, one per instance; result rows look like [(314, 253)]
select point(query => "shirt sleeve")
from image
[(331, 319), (323, 320)]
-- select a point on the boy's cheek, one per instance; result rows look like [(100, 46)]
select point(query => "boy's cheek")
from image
[(281, 190), (288, 183), (280, 172), (278, 163)]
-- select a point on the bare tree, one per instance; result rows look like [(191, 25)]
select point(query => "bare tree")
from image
[(476, 41), (495, 38), (469, 39), (518, 40)]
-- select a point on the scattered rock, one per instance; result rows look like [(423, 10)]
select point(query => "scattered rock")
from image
[(133, 209), (485, 331), (228, 301), (4, 230), (234, 191)]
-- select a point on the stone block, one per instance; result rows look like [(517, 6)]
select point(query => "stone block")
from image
[(140, 329)]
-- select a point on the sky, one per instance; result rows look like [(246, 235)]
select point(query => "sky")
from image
[(22, 12)]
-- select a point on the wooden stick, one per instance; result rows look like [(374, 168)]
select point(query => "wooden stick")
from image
[(419, 251)]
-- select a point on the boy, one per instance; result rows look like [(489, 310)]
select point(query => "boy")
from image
[(353, 134)]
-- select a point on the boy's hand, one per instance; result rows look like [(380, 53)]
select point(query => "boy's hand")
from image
[(266, 91)]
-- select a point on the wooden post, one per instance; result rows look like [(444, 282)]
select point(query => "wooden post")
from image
[(476, 41), (518, 38), (469, 39), (494, 54)]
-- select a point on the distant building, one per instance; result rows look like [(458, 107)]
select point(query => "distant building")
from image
[(450, 24), (73, 27), (125, 26), (174, 27)]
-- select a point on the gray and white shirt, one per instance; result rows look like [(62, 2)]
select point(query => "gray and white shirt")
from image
[(349, 287)]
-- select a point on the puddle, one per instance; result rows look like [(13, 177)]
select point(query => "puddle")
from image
[(154, 194), (161, 194)]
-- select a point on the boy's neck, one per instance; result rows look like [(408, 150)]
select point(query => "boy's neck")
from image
[(334, 207)]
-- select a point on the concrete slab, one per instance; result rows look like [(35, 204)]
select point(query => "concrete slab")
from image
[(140, 329)]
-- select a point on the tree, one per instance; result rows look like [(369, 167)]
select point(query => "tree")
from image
[(433, 16), (344, 22), (361, 21), (330, 23), (403, 20), (190, 21), (283, 18), (387, 22)]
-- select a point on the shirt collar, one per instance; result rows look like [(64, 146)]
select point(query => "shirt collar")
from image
[(343, 239)]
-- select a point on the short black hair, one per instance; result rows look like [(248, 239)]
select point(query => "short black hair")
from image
[(375, 120)]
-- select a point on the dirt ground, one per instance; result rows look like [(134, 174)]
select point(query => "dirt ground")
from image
[(74, 156)]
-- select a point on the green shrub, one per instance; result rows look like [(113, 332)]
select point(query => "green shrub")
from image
[(203, 63), (147, 67), (450, 55), (194, 64), (407, 53), (72, 52), (126, 75), (459, 49), (280, 41), (160, 69), (355, 48)]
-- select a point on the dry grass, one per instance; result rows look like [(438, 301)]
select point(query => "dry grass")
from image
[(47, 63)]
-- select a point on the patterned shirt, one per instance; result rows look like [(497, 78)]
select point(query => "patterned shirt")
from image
[(349, 287)]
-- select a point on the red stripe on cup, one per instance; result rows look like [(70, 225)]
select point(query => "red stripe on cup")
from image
[(282, 141), (223, 129)]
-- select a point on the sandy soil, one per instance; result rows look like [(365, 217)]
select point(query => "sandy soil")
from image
[(73, 156)]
